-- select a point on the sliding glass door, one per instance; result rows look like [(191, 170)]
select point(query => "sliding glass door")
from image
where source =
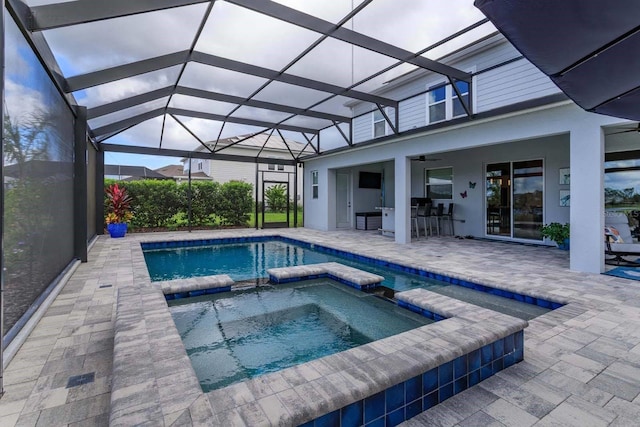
[(499, 199), (514, 199)]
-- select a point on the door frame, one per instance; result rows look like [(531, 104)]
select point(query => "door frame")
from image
[(348, 223)]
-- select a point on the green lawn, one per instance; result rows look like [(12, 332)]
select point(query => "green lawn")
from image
[(275, 217)]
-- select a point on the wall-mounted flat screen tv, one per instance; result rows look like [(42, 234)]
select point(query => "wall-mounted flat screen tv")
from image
[(370, 180)]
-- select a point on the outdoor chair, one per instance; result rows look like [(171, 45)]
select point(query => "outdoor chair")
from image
[(448, 216), (414, 220), (618, 240), (438, 215), (424, 212)]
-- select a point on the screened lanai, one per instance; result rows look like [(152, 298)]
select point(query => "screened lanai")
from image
[(173, 78)]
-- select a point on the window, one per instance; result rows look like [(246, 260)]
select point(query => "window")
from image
[(314, 184), (437, 98), (379, 124), (199, 166), (463, 88), (280, 167), (443, 102), (439, 183), (271, 167)]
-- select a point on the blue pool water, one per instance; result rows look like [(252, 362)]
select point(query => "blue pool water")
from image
[(248, 261), (234, 336)]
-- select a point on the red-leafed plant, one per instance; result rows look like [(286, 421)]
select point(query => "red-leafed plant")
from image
[(119, 204)]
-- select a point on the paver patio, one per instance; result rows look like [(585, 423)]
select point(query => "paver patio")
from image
[(581, 368)]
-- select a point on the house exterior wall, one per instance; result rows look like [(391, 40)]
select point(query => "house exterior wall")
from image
[(551, 133), (470, 166), (508, 84), (561, 134)]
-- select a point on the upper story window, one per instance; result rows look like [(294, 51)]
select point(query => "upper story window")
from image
[(271, 167), (314, 184), (443, 102), (379, 124), (438, 183), (463, 88), (437, 99), (280, 167), (199, 166)]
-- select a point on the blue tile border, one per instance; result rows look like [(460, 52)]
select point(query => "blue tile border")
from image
[(423, 311), (196, 293), (541, 302), (407, 399)]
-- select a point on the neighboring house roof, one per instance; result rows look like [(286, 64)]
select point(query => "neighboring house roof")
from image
[(170, 170), (177, 171), (39, 169), (134, 172), (260, 141)]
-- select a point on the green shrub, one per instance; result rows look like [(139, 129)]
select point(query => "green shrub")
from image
[(153, 202), (556, 231), (235, 202), (204, 199), (166, 204), (276, 198)]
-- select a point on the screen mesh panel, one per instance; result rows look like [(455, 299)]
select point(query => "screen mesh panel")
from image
[(38, 178)]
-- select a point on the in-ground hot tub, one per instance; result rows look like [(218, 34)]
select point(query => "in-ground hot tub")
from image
[(234, 336)]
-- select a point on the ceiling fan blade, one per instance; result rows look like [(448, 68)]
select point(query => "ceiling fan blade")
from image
[(425, 159), (624, 131), (635, 129)]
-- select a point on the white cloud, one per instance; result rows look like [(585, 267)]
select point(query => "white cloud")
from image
[(96, 45), (21, 101), (125, 88)]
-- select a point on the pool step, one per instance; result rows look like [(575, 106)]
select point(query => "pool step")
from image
[(349, 276), (195, 286)]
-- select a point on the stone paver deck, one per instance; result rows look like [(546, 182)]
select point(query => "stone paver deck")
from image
[(581, 368)]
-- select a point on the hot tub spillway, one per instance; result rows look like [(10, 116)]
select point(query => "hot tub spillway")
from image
[(252, 283), (383, 292)]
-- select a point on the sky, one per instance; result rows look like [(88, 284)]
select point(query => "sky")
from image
[(236, 33), (622, 180)]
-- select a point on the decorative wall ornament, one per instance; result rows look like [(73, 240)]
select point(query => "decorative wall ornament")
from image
[(565, 176), (464, 194), (472, 185)]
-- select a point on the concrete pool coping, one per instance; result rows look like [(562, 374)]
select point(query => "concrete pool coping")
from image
[(192, 285), (153, 380)]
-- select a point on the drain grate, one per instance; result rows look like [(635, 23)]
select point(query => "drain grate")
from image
[(81, 379), (106, 286)]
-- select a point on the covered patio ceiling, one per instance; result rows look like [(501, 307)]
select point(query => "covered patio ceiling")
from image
[(166, 76), (588, 48)]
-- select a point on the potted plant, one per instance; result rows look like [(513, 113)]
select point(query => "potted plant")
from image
[(119, 210), (557, 232)]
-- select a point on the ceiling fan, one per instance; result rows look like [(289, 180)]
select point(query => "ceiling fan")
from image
[(424, 158), (635, 129)]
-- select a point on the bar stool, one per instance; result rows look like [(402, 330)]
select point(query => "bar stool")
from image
[(438, 215), (448, 216), (425, 214), (414, 220)]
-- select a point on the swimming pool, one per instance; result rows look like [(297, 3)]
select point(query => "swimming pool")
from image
[(249, 260), (248, 333)]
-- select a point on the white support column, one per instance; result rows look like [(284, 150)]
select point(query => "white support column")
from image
[(327, 178), (587, 197), (402, 199)]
